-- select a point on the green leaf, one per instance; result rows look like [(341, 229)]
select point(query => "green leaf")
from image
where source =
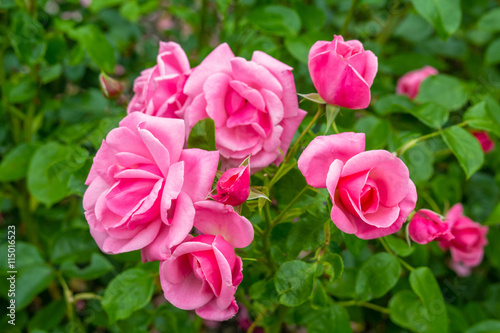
[(23, 90), (56, 49), (393, 104), (444, 15), (458, 322), (27, 38), (326, 320), (407, 311), (170, 319), (223, 6), (399, 246), (50, 170), (494, 217), (305, 235), (424, 284), (26, 255), (331, 113), (493, 52), (490, 21), (465, 147), (377, 276), (99, 266), (431, 114), (487, 326), (482, 195), (202, 135), (313, 97), (299, 47), (14, 165), (354, 244), (345, 286), (73, 245), (334, 266), (131, 11), (481, 117), (48, 317), (377, 131), (30, 281), (420, 162), (98, 47), (127, 292), (276, 19), (294, 282), (51, 73), (444, 90), (97, 5)]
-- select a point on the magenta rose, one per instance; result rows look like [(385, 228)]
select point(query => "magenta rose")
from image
[(487, 144), (233, 186), (426, 226), (159, 89), (204, 272), (253, 104), (142, 186), (409, 83), (343, 72), (371, 191), (467, 246)]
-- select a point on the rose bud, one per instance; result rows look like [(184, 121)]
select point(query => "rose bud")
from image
[(409, 83), (484, 139), (426, 226), (111, 88), (233, 186), (343, 72)]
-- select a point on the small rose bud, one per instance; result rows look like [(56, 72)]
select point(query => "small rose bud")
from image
[(111, 88), (233, 186), (426, 226)]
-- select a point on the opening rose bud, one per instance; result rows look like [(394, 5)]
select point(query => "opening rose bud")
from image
[(342, 72), (409, 83), (425, 226), (111, 88), (233, 186)]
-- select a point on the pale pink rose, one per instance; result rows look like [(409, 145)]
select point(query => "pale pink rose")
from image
[(467, 246), (142, 186), (409, 83), (484, 139), (426, 226), (159, 89), (233, 186), (343, 72), (371, 191), (253, 104), (204, 272)]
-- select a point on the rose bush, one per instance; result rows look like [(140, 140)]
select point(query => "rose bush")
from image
[(371, 191), (253, 103)]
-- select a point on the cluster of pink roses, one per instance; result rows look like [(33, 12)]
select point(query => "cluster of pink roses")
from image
[(148, 192), (465, 238)]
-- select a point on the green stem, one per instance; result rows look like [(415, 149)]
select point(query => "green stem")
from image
[(413, 142), (68, 296), (278, 218), (86, 296), (348, 17), (404, 263), (291, 152), (430, 201), (364, 304)]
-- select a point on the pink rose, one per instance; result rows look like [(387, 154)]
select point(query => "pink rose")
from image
[(343, 72), (233, 186), (409, 83), (142, 185), (467, 246), (371, 191), (204, 272), (253, 104), (425, 226), (159, 89), (484, 139)]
